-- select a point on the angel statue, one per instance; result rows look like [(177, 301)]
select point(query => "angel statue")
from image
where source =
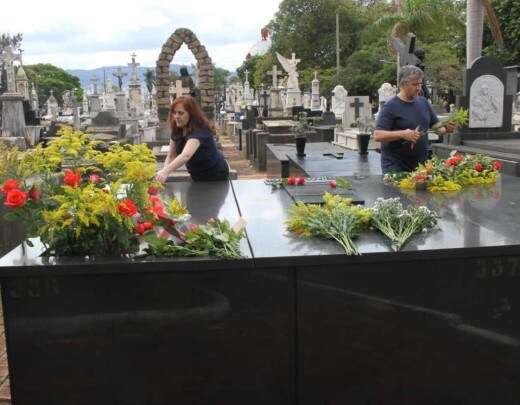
[(289, 66)]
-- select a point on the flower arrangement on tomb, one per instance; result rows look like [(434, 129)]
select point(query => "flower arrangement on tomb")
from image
[(336, 219), (449, 175), (81, 197), (399, 224)]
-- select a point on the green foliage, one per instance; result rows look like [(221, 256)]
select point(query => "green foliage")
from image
[(308, 28), (443, 68), (48, 77), (220, 78), (250, 65), (508, 14)]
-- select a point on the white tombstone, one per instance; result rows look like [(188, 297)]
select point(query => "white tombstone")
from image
[(293, 94), (386, 92), (248, 93), (356, 107), (323, 104), (52, 107), (486, 103), (339, 100), (306, 100), (315, 93)]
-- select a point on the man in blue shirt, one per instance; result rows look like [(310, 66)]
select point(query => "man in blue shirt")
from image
[(403, 123)]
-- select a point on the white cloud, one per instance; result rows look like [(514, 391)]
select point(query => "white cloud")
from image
[(103, 32)]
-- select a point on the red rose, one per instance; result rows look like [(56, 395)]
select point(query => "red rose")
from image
[(127, 207), (9, 184), (291, 180), (35, 194), (479, 167), (153, 190), (157, 206), (300, 181), (94, 178), (139, 228), (333, 183), (497, 165), (15, 198), (148, 225), (71, 178)]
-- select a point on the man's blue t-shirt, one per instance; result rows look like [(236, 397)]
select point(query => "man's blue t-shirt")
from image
[(207, 163), (396, 114)]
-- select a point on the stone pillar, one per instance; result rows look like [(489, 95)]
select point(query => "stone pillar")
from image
[(121, 110), (95, 105), (13, 119)]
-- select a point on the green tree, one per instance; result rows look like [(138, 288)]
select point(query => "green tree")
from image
[(308, 28), (149, 80), (220, 78), (48, 77), (508, 15), (250, 65)]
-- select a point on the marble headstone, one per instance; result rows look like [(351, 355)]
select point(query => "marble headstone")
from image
[(357, 107), (489, 91), (339, 100)]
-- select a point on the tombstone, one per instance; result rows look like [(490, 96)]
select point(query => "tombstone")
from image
[(22, 83), (385, 92), (248, 93), (315, 93), (109, 103), (67, 108), (307, 99), (489, 92), (357, 107), (339, 100), (13, 120), (293, 93), (106, 122), (263, 101), (328, 118), (121, 106), (52, 107), (323, 104), (35, 103), (134, 89)]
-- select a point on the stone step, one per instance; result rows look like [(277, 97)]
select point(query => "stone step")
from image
[(510, 161), (509, 146)]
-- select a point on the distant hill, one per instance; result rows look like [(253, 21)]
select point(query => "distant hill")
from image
[(106, 71)]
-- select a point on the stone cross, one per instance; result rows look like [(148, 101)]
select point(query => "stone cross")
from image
[(94, 81), (247, 75), (133, 66), (275, 75), (406, 50), (179, 90), (8, 57), (120, 76), (356, 104)]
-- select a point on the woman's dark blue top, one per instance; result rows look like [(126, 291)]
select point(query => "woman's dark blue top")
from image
[(396, 114), (207, 163)]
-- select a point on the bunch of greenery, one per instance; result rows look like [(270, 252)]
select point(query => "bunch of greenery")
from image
[(301, 127), (399, 224), (337, 219), (215, 238)]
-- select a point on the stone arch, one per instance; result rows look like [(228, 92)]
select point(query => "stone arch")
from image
[(162, 74)]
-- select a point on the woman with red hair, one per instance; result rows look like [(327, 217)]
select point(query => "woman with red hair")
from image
[(193, 144)]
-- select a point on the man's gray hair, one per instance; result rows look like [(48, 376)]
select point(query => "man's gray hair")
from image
[(408, 73)]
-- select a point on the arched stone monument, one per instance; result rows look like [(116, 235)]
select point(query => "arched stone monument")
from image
[(162, 73)]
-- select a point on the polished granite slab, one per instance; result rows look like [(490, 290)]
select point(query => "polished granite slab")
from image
[(351, 163), (471, 222)]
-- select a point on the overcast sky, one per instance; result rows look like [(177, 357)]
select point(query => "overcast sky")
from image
[(94, 33)]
